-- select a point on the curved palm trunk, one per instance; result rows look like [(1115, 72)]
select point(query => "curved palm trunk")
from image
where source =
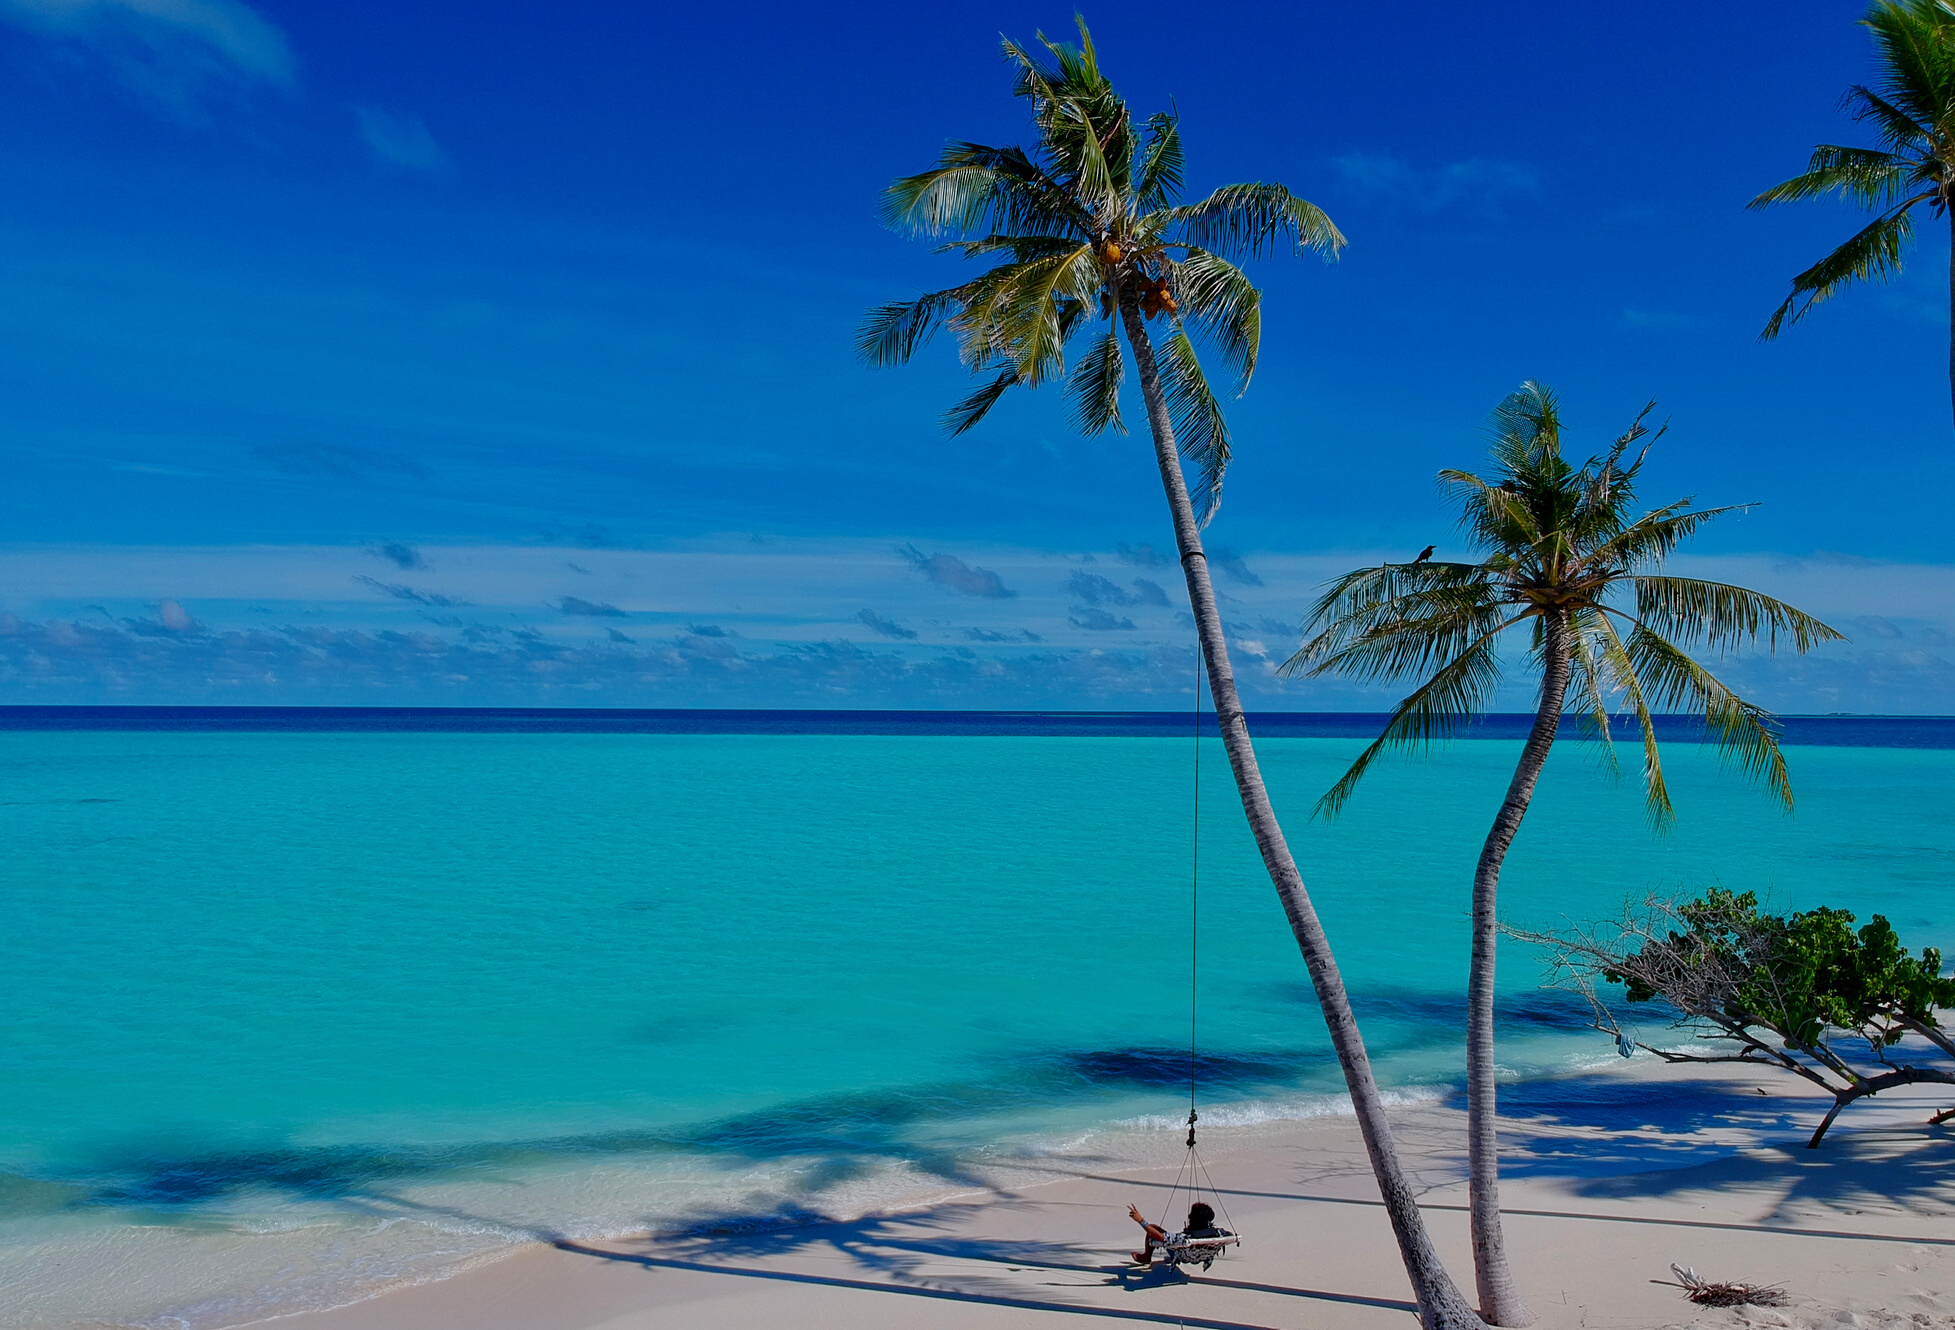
[(1440, 1305), (1500, 1301)]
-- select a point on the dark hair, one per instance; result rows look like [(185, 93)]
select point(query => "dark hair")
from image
[(1201, 1215)]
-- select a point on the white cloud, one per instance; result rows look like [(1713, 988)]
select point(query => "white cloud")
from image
[(169, 49), (173, 616), (400, 140), (1477, 184)]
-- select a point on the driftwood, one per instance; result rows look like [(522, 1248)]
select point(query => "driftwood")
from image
[(1803, 993), (1707, 1293)]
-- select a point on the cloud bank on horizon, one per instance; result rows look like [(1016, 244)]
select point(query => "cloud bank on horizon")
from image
[(791, 623)]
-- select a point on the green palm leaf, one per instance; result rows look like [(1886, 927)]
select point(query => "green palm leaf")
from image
[(1496, 516), (1866, 176), (1742, 731), (979, 188), (1715, 614), (1874, 254), (1217, 297), (1199, 429), (1656, 790), (1440, 708), (1652, 537), (1591, 678), (1096, 387), (891, 333), (1411, 643), (972, 409), (1252, 219), (1160, 164)]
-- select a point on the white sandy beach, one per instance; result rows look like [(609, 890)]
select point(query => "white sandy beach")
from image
[(1860, 1233)]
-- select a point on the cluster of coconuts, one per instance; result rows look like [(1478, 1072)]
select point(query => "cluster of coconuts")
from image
[(1154, 295)]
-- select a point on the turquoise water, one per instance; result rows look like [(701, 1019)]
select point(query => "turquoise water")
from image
[(286, 1016)]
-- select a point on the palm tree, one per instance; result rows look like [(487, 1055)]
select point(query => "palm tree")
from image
[(1564, 560), (1085, 227), (1913, 113)]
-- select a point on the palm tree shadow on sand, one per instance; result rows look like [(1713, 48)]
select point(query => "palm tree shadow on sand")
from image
[(925, 1255)]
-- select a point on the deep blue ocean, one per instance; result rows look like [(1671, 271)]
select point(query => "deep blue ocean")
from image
[(294, 1002)]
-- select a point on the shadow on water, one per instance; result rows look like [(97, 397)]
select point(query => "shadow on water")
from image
[(832, 1137), (933, 1128)]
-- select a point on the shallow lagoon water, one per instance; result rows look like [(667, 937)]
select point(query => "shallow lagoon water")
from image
[(285, 1016)]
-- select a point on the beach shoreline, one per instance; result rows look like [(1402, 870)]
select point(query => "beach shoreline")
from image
[(1714, 1176)]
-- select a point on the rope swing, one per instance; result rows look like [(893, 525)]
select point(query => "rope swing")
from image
[(1193, 1169)]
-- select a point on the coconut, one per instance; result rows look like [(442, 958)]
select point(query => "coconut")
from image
[(1111, 252)]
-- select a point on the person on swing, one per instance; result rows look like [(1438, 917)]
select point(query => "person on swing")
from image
[(1201, 1224)]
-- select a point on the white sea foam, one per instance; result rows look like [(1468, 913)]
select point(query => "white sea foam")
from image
[(1257, 1112)]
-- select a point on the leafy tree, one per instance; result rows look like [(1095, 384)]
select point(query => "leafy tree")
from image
[(1783, 988), (1566, 562), (1087, 226), (1912, 110)]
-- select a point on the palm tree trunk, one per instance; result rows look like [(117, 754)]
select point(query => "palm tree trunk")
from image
[(1440, 1305), (1500, 1301)]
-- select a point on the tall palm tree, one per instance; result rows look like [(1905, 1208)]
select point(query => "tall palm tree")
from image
[(1913, 113), (1566, 562), (1086, 226)]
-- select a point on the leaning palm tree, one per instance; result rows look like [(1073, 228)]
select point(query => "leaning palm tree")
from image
[(1086, 227), (1912, 109), (1565, 562)]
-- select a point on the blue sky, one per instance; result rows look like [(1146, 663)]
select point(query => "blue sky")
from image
[(462, 353)]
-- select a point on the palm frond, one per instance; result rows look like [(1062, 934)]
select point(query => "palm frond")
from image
[(1254, 219), (1590, 681), (1022, 314), (1021, 249), (1041, 310), (1159, 178), (1218, 298), (975, 188), (1440, 708), (1525, 427), (1405, 616), (1902, 134), (974, 408), (1873, 254), (1372, 595), (1095, 385), (1715, 614), (1656, 790), (1495, 516), (1913, 40), (1092, 175), (1412, 639), (1200, 432), (891, 333), (1866, 176), (1743, 732), (1651, 537)]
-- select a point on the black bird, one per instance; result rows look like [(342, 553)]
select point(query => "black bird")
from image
[(1425, 554)]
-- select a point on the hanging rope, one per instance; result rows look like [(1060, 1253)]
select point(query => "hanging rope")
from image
[(1195, 891), (1193, 1169)]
